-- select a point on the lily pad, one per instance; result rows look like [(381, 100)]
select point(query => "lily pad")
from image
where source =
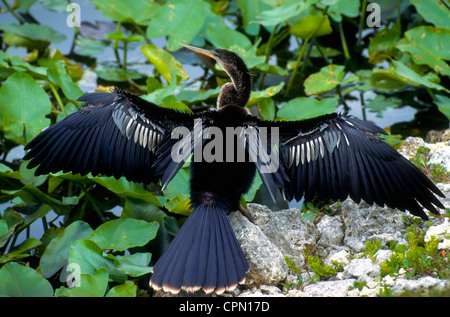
[(443, 103), (383, 44), (433, 12), (165, 63), (90, 285), (399, 76), (140, 12), (326, 79), (88, 255), (311, 26), (179, 20), (121, 234), (338, 8), (280, 14), (269, 92), (222, 36), (23, 107), (127, 289), (20, 251), (57, 252), (125, 188), (35, 32), (413, 78), (305, 107), (428, 46), (22, 281), (135, 264), (33, 195)]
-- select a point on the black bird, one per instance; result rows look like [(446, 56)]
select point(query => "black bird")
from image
[(330, 157)]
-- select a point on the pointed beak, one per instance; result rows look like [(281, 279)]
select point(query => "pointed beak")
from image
[(200, 50)]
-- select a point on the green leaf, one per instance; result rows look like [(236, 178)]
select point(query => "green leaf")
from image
[(88, 255), (38, 213), (383, 44), (140, 12), (269, 92), (58, 75), (19, 252), (411, 77), (18, 64), (318, 50), (250, 10), (433, 12), (138, 209), (443, 103), (249, 56), (281, 13), (337, 8), (179, 20), (222, 36), (311, 26), (267, 109), (399, 76), (195, 96), (118, 74), (8, 172), (22, 281), (35, 32), (23, 107), (89, 47), (428, 46), (33, 195), (180, 204), (12, 220), (326, 79), (125, 188), (3, 228), (57, 252), (165, 63), (381, 103), (128, 289), (120, 36), (124, 233), (134, 265), (178, 185), (28, 176), (303, 108), (256, 184)]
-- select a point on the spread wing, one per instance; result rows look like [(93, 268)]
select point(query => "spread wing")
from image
[(335, 156), (115, 134)]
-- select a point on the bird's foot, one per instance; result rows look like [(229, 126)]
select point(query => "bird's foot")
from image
[(246, 213)]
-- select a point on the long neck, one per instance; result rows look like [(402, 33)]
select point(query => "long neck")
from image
[(238, 91)]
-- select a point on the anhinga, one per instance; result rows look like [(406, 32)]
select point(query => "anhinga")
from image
[(331, 157)]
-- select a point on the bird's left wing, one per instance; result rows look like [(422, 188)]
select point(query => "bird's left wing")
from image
[(114, 134), (336, 156)]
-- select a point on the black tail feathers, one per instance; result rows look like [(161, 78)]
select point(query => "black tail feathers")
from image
[(204, 255)]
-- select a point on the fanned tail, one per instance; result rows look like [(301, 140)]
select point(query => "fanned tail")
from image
[(203, 255)]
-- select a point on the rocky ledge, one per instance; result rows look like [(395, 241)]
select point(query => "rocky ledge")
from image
[(340, 237)]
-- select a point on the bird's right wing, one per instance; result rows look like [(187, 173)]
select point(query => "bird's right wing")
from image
[(336, 156), (115, 134)]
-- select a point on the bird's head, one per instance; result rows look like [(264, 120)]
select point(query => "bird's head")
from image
[(238, 91)]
